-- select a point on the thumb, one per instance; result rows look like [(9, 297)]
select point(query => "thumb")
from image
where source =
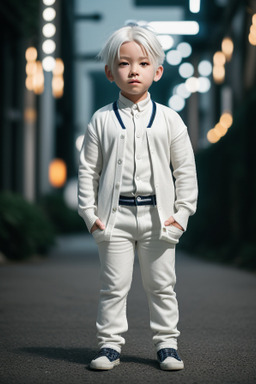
[(169, 221), (99, 224)]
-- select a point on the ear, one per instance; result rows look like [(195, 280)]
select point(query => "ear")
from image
[(108, 73), (159, 73)]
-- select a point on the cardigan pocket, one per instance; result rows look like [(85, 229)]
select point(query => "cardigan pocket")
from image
[(98, 235), (171, 234)]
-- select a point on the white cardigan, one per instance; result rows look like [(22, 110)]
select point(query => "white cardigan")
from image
[(101, 163)]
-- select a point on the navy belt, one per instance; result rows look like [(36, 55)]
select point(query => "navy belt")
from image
[(138, 200)]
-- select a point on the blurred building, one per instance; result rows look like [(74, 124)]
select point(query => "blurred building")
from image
[(36, 129)]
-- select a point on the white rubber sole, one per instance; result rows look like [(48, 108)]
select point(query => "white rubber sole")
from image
[(171, 364), (103, 364)]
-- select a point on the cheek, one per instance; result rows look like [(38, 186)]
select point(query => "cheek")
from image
[(120, 74)]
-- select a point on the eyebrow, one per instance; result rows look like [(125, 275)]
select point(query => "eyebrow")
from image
[(140, 58)]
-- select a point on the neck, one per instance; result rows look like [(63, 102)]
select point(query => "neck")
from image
[(135, 98)]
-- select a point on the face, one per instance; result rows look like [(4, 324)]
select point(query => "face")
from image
[(133, 72)]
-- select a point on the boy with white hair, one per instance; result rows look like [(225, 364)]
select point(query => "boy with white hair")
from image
[(133, 151)]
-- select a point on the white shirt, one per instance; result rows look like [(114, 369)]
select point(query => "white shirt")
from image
[(137, 178), (101, 168)]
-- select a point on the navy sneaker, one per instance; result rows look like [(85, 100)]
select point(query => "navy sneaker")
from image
[(169, 359), (106, 359)]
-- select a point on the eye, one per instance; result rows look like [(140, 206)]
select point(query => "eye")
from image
[(144, 64), (123, 63)]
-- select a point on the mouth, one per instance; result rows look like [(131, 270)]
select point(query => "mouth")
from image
[(134, 82)]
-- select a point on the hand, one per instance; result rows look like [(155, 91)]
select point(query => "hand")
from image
[(97, 225), (171, 221)]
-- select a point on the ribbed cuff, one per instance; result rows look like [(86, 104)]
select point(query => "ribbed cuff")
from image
[(182, 217), (89, 217)]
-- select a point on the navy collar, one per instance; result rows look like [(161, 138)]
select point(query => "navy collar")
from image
[(151, 120)]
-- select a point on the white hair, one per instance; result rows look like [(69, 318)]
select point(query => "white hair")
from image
[(141, 35)]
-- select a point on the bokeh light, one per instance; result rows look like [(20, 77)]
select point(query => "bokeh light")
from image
[(59, 67), (213, 136), (205, 68), (252, 39), (182, 91), (30, 115), (166, 41), (31, 54), (192, 84), (48, 46), (48, 63), (226, 119), (227, 47), (38, 79), (220, 129), (204, 84), (176, 102), (31, 68), (48, 2), (186, 70), (219, 58), (218, 74), (57, 83), (185, 49), (49, 14), (49, 30), (57, 173), (173, 57), (29, 82)]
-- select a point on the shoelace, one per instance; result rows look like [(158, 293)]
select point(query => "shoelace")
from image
[(110, 353), (167, 352)]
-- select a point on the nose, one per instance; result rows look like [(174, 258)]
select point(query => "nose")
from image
[(134, 70)]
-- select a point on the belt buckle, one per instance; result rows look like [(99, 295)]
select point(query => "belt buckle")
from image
[(138, 200)]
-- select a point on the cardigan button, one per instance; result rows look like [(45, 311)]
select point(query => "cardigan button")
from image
[(114, 210), (120, 161), (122, 136)]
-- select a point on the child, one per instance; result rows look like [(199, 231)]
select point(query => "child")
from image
[(127, 196)]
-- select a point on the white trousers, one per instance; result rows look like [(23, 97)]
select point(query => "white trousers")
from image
[(137, 228)]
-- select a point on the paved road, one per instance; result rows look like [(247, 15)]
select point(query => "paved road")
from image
[(47, 322)]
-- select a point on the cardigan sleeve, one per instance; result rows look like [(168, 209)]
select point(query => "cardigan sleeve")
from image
[(90, 166), (184, 172)]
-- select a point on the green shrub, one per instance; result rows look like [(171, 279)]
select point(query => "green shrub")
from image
[(64, 219), (24, 228)]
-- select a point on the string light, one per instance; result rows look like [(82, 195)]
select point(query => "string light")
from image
[(31, 54), (252, 34), (213, 136), (220, 58), (221, 128), (218, 73), (226, 119), (34, 70), (57, 80), (227, 47)]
